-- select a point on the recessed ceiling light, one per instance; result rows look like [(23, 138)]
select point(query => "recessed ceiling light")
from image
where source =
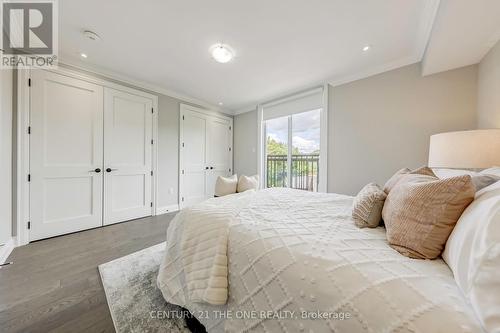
[(220, 103), (367, 48), (222, 53), (83, 55)]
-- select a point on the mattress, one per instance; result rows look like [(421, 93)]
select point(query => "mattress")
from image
[(297, 263)]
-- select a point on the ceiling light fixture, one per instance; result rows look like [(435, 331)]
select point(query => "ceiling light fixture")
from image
[(367, 48), (83, 55), (221, 104), (222, 53)]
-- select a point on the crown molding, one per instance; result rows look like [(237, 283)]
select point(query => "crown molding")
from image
[(427, 21), (95, 70)]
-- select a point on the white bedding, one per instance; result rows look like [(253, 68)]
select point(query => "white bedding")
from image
[(292, 253)]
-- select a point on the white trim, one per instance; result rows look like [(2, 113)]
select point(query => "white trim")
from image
[(260, 152), (374, 71), (137, 83), (167, 209), (427, 21), (189, 108), (154, 157), (23, 121), (22, 184), (323, 143), (6, 249)]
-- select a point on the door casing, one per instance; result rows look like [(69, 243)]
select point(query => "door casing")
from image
[(22, 192), (203, 114)]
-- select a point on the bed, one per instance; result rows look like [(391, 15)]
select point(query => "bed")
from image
[(284, 260)]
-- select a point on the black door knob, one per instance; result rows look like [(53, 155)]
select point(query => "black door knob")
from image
[(206, 168), (108, 170), (211, 168), (97, 170)]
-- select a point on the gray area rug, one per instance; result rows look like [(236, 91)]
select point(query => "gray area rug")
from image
[(135, 302)]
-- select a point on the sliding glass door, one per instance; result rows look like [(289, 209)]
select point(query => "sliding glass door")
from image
[(292, 150)]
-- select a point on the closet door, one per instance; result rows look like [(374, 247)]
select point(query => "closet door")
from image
[(66, 155), (128, 125), (219, 152), (193, 151)]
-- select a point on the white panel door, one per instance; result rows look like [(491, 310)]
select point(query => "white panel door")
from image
[(128, 125), (219, 152), (66, 155), (193, 151)]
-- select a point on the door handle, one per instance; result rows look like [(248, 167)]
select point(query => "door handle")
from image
[(97, 170), (206, 168), (211, 168), (109, 170)]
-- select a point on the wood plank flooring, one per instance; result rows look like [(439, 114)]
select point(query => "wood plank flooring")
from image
[(54, 284)]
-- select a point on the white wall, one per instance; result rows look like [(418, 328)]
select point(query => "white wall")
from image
[(380, 124), (5, 155), (489, 89), (245, 143)]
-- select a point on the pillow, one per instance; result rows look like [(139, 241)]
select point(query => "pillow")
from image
[(473, 254), (480, 180), (495, 171), (421, 211), (367, 207), (248, 183), (226, 185), (397, 176)]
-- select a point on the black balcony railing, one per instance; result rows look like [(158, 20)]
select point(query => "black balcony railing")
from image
[(304, 175)]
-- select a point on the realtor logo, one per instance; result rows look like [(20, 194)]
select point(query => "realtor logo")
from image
[(29, 33)]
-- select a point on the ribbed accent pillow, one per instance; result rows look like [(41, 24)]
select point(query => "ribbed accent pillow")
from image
[(397, 176), (421, 211), (367, 206)]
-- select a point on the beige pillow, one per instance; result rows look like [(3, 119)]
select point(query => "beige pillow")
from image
[(397, 176), (248, 183), (421, 211), (226, 185), (367, 207)]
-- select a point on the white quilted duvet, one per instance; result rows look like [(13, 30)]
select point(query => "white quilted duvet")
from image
[(297, 263)]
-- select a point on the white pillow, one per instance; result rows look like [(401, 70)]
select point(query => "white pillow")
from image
[(248, 183), (449, 173), (495, 171), (226, 185), (473, 254), (479, 179)]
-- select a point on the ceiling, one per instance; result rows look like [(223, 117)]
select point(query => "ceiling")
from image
[(281, 45), (464, 31)]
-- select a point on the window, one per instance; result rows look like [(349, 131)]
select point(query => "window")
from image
[(293, 149)]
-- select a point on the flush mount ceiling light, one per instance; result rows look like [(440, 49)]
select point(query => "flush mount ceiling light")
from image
[(367, 48), (222, 53), (91, 35), (83, 55)]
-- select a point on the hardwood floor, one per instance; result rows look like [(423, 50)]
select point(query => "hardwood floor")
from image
[(54, 284)]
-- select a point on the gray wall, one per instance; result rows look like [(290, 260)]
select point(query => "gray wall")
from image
[(489, 89), (245, 143), (6, 85), (380, 124)]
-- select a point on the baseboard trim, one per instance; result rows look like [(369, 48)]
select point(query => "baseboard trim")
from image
[(167, 209), (6, 249)]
